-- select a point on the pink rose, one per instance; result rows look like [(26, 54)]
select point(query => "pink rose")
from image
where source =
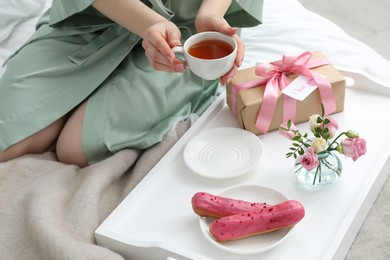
[(309, 160), (289, 134), (354, 147), (332, 126)]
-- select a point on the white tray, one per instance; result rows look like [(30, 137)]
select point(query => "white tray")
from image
[(156, 221)]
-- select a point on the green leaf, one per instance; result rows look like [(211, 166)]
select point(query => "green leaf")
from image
[(288, 155), (296, 138)]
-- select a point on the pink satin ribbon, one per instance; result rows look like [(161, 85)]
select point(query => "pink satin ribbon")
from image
[(274, 75)]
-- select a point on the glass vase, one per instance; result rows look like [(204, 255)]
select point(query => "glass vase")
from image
[(328, 171)]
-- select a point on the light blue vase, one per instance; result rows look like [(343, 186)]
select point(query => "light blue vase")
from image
[(327, 172)]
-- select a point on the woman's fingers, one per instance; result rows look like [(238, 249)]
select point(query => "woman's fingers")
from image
[(225, 79), (158, 42), (161, 63), (240, 51)]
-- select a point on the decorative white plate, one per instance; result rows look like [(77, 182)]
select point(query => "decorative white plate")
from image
[(254, 244), (224, 152)]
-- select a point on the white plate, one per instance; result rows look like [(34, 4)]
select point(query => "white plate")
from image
[(224, 152), (253, 244)]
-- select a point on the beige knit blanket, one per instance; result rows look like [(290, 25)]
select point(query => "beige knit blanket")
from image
[(50, 210)]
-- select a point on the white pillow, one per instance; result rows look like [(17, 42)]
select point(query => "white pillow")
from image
[(17, 23), (14, 12)]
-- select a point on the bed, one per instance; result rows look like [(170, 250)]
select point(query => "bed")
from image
[(50, 210)]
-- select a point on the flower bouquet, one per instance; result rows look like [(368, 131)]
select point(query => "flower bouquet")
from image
[(316, 161)]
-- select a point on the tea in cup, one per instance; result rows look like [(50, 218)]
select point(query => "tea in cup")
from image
[(210, 55)]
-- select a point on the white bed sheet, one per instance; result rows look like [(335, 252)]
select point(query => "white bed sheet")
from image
[(288, 27)]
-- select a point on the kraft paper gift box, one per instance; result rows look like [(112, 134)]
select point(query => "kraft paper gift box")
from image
[(249, 101)]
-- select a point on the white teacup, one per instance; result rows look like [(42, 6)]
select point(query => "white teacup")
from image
[(208, 68)]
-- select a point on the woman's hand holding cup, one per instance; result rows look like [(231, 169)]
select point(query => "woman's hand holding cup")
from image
[(212, 22), (210, 55)]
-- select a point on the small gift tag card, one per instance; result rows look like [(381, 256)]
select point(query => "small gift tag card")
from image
[(300, 88)]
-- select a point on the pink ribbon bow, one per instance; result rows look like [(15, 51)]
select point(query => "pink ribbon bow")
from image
[(274, 74)]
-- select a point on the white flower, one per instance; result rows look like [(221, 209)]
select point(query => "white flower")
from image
[(313, 122), (319, 144)]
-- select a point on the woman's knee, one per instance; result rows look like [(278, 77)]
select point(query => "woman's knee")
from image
[(69, 147), (39, 142)]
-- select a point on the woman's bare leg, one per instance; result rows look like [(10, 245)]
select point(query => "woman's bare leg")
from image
[(69, 147), (67, 132), (39, 142)]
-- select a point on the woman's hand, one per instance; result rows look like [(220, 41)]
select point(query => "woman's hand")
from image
[(159, 35), (213, 22), (158, 41)]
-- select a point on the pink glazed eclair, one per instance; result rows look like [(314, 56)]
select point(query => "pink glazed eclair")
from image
[(283, 215), (208, 205)]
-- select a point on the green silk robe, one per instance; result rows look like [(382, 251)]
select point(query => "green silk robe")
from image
[(76, 54)]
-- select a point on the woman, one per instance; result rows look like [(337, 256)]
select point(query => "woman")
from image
[(100, 76)]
